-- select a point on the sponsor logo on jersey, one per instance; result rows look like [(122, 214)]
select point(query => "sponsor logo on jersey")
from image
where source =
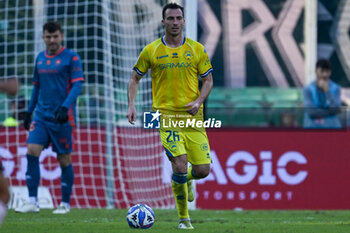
[(188, 55), (173, 147), (32, 126), (204, 147), (160, 57), (175, 65), (77, 69)]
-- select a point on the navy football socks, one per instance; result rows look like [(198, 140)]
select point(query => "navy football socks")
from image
[(67, 179), (33, 176)]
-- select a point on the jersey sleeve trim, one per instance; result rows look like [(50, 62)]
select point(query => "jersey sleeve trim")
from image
[(206, 73), (138, 71), (35, 83), (77, 79)]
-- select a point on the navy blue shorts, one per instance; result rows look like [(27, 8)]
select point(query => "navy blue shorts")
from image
[(44, 132)]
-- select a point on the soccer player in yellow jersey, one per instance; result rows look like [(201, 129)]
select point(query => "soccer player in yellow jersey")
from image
[(176, 62)]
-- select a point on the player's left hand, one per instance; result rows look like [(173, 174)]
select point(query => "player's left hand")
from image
[(27, 120), (194, 107), (61, 115)]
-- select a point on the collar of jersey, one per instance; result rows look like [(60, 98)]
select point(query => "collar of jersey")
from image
[(51, 56), (183, 41)]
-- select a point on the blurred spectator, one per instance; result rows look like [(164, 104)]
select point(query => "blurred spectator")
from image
[(18, 107), (322, 99), (288, 119)]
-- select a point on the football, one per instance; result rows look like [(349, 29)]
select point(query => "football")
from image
[(140, 216)]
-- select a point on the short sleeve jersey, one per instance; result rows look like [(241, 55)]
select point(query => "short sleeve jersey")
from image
[(174, 72), (55, 76)]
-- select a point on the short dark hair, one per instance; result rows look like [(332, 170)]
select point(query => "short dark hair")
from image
[(52, 27), (172, 6), (324, 64)]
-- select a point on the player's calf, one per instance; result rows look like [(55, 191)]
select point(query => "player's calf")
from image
[(191, 190)]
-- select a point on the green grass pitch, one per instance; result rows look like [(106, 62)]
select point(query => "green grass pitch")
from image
[(226, 221)]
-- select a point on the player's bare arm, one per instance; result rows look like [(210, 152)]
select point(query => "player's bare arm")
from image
[(205, 91), (132, 91)]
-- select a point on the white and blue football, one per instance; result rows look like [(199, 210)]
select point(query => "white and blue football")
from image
[(140, 216)]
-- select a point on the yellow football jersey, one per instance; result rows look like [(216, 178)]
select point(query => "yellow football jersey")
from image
[(174, 72)]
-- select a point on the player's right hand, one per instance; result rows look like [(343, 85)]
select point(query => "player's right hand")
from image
[(323, 84), (131, 115), (27, 120)]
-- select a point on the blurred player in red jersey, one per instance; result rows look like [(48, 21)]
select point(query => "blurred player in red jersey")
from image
[(9, 86), (4, 194)]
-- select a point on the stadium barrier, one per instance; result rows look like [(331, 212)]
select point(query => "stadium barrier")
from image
[(251, 169)]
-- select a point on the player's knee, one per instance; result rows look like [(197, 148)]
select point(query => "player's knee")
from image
[(6, 196), (64, 160), (4, 192), (180, 167), (201, 171), (179, 163), (34, 150)]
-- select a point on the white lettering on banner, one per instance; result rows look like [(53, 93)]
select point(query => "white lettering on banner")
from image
[(291, 156), (218, 195), (230, 195), (9, 164), (206, 195), (253, 195), (250, 169), (267, 178), (278, 195), (241, 196), (265, 196), (246, 195)]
